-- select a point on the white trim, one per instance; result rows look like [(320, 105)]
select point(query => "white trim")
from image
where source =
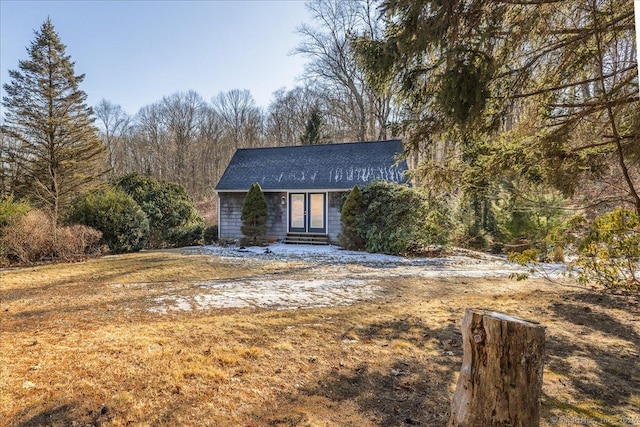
[(218, 209), (326, 213), (287, 208)]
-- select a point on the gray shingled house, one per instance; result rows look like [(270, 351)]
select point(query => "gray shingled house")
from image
[(304, 185)]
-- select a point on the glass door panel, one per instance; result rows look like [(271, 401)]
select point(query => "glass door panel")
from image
[(298, 212), (317, 211)]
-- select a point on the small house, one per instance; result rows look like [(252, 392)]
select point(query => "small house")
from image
[(304, 185)]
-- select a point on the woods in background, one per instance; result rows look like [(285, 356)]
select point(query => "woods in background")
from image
[(517, 114)]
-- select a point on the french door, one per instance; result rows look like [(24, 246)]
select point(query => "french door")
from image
[(307, 212)]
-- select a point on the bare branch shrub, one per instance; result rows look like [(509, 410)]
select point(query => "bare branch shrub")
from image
[(77, 241), (31, 240)]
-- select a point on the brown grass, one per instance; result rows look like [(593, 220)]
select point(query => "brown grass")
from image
[(79, 347)]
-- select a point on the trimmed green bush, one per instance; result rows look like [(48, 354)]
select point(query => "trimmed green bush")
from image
[(124, 226), (399, 220), (173, 218), (350, 214), (254, 214)]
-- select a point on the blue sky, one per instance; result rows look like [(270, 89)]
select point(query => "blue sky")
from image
[(135, 52)]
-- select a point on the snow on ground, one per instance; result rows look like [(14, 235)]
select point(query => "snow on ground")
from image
[(273, 294), (461, 263), (331, 289)]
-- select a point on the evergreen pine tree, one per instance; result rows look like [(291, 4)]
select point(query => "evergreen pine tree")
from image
[(349, 216), (254, 214), (313, 129), (58, 148)]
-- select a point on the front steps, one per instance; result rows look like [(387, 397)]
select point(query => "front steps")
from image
[(307, 239)]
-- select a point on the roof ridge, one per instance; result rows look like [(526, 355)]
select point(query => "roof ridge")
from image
[(321, 145)]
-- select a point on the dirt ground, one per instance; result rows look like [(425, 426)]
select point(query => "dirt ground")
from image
[(200, 338)]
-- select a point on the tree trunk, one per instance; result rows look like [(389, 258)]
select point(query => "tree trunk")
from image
[(501, 376)]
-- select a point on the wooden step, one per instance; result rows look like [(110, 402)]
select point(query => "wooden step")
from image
[(307, 239)]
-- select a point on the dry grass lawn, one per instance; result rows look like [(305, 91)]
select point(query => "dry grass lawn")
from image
[(79, 346)]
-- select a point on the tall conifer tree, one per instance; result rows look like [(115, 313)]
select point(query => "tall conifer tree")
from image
[(545, 90), (57, 148), (313, 130), (254, 214)]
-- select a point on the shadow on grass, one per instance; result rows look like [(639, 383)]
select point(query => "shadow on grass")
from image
[(601, 372), (66, 415), (410, 389)]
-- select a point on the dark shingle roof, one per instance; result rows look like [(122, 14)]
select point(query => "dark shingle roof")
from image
[(311, 167)]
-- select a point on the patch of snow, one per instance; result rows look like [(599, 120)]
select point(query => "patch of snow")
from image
[(463, 263), (274, 294), (282, 294), (176, 304)]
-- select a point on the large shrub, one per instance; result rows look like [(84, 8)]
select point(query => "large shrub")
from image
[(10, 213), (123, 224), (608, 249), (173, 218), (254, 214), (527, 212), (400, 220), (605, 252), (32, 238), (350, 215), (29, 239)]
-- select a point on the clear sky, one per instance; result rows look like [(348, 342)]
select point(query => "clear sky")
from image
[(135, 52)]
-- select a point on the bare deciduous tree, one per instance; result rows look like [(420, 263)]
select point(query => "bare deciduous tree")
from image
[(288, 113), (359, 109), (180, 115), (114, 123), (241, 117)]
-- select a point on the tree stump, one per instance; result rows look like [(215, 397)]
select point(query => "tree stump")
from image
[(501, 376)]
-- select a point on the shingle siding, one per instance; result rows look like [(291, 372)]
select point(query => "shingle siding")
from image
[(277, 222), (231, 211), (229, 215), (333, 220)]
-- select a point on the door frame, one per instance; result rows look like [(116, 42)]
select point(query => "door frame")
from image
[(290, 226), (307, 206)]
